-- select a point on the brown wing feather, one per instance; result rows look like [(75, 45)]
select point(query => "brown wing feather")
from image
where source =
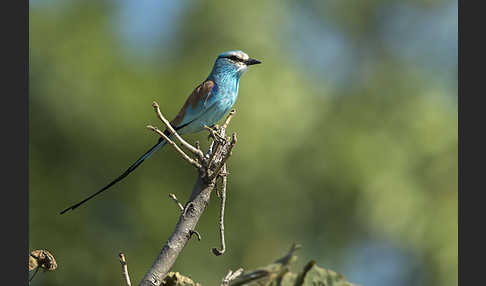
[(201, 93)]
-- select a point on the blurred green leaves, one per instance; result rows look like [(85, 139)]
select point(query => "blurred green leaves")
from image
[(326, 168)]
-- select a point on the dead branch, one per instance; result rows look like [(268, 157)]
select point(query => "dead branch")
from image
[(124, 266), (209, 167)]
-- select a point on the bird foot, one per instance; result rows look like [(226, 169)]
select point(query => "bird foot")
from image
[(214, 133)]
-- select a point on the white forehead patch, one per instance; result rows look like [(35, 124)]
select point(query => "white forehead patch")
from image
[(240, 55)]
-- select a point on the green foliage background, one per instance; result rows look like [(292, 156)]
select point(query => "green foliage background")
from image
[(329, 167)]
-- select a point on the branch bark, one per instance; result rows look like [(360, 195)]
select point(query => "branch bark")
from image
[(198, 202)]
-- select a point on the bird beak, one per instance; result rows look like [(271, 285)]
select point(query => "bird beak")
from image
[(251, 61)]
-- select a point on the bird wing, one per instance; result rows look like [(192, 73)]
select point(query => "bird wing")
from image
[(196, 104)]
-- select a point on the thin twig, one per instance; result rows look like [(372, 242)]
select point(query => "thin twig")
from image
[(216, 251), (33, 275), (228, 119), (176, 147), (174, 198), (218, 193), (124, 266), (230, 276), (173, 132)]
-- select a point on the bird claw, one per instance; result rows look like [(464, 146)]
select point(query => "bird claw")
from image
[(214, 133)]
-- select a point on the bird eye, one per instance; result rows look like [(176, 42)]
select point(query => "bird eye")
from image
[(234, 58)]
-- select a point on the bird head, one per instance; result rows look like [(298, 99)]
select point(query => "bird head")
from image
[(233, 63)]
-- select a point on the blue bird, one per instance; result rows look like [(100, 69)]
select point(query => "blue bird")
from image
[(206, 105)]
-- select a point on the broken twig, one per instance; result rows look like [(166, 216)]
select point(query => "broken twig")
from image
[(124, 266), (230, 276)]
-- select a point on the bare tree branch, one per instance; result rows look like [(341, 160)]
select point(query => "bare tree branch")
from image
[(177, 241), (176, 147), (198, 201), (124, 266), (169, 127)]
